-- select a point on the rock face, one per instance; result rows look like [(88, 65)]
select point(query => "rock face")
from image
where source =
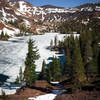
[(44, 18)]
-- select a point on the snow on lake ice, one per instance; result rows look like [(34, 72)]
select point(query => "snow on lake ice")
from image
[(13, 53)]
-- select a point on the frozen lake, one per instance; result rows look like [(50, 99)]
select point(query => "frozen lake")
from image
[(13, 53)]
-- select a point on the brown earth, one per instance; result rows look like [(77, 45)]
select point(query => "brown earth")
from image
[(84, 95), (39, 88), (25, 94), (1, 25)]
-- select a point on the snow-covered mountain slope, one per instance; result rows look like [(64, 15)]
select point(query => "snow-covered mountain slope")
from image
[(90, 7), (49, 12), (10, 30), (7, 14), (39, 19), (17, 15)]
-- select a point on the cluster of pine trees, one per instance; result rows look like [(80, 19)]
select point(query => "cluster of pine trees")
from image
[(4, 36), (54, 44), (82, 55), (71, 26), (52, 72), (20, 77)]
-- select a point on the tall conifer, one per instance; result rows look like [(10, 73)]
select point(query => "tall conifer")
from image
[(43, 73), (30, 75)]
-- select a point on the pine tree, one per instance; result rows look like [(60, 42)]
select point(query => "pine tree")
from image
[(87, 54), (20, 75), (30, 75), (2, 35), (3, 96), (78, 68), (99, 62), (49, 76), (95, 66), (55, 41), (17, 81), (55, 69), (69, 49), (51, 44), (68, 69), (43, 73), (60, 45)]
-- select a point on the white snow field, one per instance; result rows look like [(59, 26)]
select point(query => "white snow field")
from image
[(44, 97), (13, 53)]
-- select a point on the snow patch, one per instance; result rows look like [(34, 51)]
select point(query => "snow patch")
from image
[(10, 32), (44, 97)]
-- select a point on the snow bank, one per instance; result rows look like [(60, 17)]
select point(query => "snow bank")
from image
[(7, 31), (54, 82), (44, 97), (48, 96), (7, 90), (10, 89)]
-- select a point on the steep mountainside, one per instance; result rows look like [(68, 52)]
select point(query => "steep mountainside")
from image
[(18, 14)]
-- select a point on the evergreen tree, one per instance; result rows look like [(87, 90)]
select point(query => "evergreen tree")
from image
[(95, 67), (51, 44), (55, 41), (78, 67), (99, 62), (87, 54), (69, 49), (20, 75), (49, 76), (68, 68), (55, 69), (17, 80), (30, 75), (43, 73), (2, 35), (3, 96), (60, 45)]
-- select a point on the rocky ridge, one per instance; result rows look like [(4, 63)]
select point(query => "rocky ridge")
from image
[(40, 19)]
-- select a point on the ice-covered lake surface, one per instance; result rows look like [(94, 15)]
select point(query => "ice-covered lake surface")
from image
[(13, 53)]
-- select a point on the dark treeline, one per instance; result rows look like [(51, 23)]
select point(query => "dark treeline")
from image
[(4, 36), (82, 53)]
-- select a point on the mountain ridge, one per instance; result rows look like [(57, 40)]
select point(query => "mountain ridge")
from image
[(37, 20), (51, 6)]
